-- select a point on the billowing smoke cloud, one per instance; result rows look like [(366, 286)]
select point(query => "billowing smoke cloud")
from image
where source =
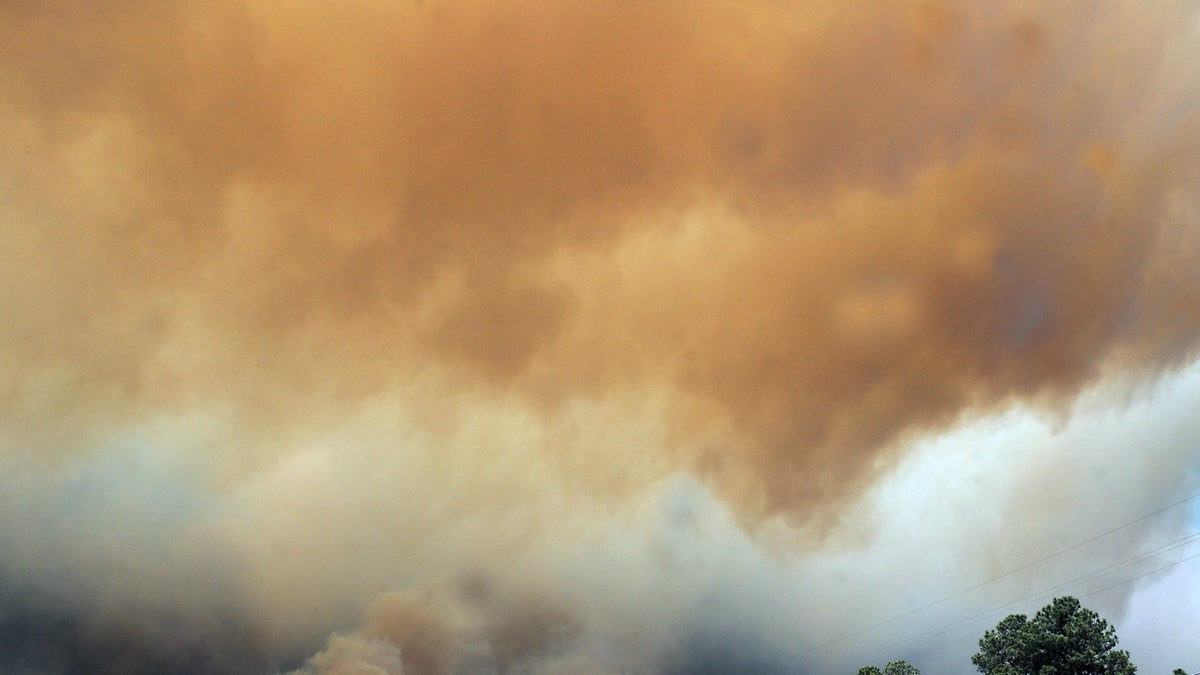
[(413, 285), (817, 228)]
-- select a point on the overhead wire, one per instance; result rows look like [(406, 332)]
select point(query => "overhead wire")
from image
[(1009, 573), (1042, 594), (1081, 595)]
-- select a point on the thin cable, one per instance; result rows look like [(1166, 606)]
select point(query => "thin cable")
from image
[(1041, 595), (979, 632), (981, 584), (1044, 593)]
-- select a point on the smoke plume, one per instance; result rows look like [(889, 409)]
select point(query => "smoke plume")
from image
[(411, 288)]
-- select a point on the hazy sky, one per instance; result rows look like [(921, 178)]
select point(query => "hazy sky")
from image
[(567, 338)]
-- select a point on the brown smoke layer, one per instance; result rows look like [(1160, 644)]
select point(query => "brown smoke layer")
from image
[(799, 232)]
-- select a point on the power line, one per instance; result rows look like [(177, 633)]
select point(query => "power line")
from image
[(978, 632), (1081, 595), (1044, 593), (1065, 585), (992, 580)]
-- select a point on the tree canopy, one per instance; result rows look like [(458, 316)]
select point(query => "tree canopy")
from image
[(892, 668), (1063, 638)]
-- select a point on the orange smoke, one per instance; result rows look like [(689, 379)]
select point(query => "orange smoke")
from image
[(810, 230)]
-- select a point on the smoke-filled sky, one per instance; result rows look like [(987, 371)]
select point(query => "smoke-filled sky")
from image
[(550, 337)]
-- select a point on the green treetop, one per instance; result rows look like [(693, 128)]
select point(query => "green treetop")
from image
[(892, 668), (1063, 638)]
